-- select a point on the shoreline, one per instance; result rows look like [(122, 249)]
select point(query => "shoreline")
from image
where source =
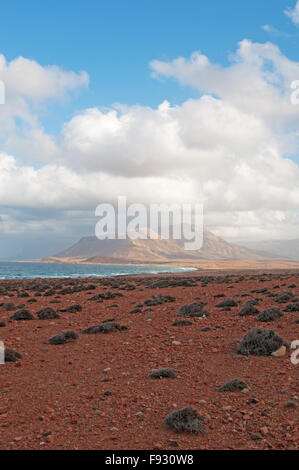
[(217, 264)]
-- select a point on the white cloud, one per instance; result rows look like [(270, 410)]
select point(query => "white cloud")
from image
[(225, 148), (274, 31), (256, 81), (293, 13), (55, 187), (28, 79)]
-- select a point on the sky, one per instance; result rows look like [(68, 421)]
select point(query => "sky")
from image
[(161, 101)]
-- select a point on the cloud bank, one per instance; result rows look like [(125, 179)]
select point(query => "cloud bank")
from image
[(226, 149)]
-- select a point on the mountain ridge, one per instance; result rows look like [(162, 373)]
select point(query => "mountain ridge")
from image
[(214, 248)]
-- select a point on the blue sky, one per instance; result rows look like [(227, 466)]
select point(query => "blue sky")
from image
[(114, 41), (226, 134)]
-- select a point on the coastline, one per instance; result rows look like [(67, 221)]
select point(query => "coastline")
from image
[(224, 264)]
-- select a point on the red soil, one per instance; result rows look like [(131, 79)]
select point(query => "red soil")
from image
[(53, 398)]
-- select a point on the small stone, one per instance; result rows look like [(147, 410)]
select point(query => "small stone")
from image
[(173, 443), (280, 352), (226, 408)]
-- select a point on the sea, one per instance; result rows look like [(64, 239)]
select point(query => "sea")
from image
[(31, 270)]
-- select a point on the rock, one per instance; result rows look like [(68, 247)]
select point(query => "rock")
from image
[(173, 443), (166, 373), (47, 314), (186, 419), (233, 386), (252, 401), (63, 338), (226, 408), (264, 430), (280, 352)]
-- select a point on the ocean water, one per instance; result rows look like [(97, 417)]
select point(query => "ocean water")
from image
[(19, 270)]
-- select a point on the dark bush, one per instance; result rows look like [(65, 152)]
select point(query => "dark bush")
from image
[(47, 314), (72, 309), (21, 315), (248, 309), (193, 310), (270, 314), (187, 419), (260, 342), (166, 373), (284, 297), (182, 323), (108, 327), (233, 386), (227, 303), (11, 356), (63, 338), (292, 307)]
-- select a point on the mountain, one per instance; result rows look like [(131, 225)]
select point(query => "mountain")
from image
[(280, 248), (91, 249)]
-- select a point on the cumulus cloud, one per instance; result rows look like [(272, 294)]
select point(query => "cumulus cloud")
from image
[(55, 187), (257, 80), (28, 79), (29, 86), (140, 141), (293, 13), (226, 149)]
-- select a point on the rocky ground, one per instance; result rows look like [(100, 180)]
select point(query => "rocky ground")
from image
[(150, 362)]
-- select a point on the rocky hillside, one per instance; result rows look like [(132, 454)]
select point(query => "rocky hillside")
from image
[(214, 248)]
